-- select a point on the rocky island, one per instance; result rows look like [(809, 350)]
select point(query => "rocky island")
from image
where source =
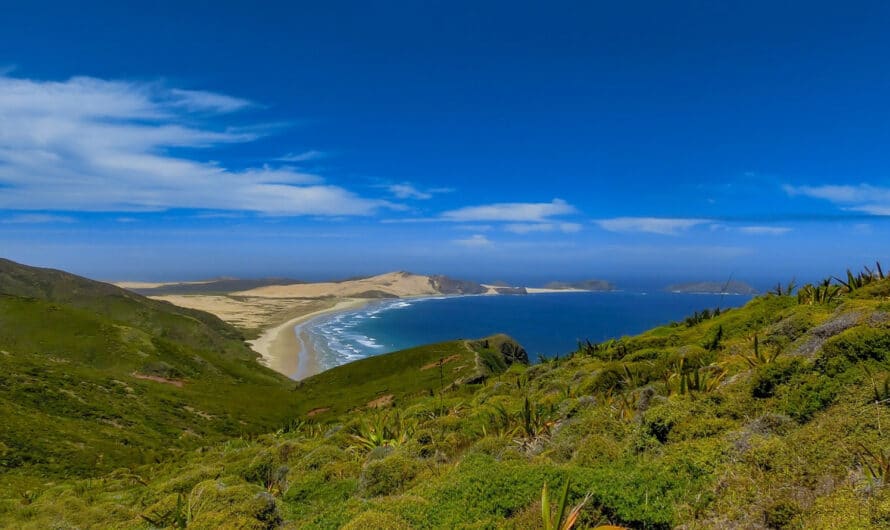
[(730, 287)]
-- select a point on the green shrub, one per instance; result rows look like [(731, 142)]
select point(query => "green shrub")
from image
[(852, 346), (659, 420), (373, 520), (261, 469), (320, 456), (771, 375), (316, 486), (597, 450), (807, 394), (781, 514), (388, 475)]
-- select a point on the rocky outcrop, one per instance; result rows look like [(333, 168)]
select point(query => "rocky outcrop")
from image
[(493, 356), (510, 290), (585, 285), (446, 285)]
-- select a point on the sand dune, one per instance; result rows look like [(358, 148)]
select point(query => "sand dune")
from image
[(248, 312), (396, 284)]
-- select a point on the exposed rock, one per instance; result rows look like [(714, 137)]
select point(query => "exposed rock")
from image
[(511, 350), (879, 319), (493, 355), (510, 290), (446, 285), (586, 285), (820, 334)]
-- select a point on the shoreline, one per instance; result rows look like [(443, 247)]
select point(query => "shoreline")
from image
[(288, 349), (285, 348)]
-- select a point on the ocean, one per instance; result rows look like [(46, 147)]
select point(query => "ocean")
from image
[(545, 324)]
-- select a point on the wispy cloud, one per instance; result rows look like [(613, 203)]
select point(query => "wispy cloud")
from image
[(474, 241), (520, 212), (305, 156), (653, 225), (89, 144), (474, 228), (528, 228), (201, 101), (37, 218), (765, 230), (407, 190), (863, 198)]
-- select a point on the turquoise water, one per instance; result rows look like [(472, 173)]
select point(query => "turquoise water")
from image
[(548, 324)]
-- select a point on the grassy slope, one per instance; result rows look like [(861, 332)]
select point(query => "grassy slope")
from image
[(69, 399), (671, 427), (402, 375)]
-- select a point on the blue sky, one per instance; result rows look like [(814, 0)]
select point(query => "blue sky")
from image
[(490, 140)]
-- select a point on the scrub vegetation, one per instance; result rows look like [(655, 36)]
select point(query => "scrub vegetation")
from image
[(773, 415)]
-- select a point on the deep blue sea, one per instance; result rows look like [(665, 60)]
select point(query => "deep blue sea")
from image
[(549, 323)]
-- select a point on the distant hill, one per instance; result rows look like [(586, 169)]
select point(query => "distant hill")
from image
[(220, 286), (393, 284), (586, 285), (731, 287), (109, 378)]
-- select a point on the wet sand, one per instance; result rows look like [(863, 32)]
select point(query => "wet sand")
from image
[(286, 348)]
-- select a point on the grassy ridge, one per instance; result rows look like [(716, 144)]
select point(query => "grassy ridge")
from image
[(96, 378), (773, 415), (397, 377)]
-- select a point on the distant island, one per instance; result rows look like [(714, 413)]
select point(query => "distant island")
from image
[(730, 287), (584, 285)]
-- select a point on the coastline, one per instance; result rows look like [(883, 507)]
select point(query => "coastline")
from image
[(285, 348)]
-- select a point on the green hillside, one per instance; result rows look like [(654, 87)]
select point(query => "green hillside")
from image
[(95, 377), (774, 415)]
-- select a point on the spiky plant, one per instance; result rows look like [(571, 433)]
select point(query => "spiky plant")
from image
[(857, 281), (683, 379), (498, 422), (534, 421), (877, 465), (383, 430), (555, 516), (622, 404), (880, 391), (758, 357), (823, 293)]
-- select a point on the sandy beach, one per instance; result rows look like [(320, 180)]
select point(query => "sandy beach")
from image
[(286, 349)]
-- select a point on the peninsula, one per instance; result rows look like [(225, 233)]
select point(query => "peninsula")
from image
[(270, 312)]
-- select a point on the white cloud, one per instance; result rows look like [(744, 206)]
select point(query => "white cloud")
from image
[(521, 212), (407, 191), (305, 156), (37, 218), (474, 241), (474, 228), (653, 225), (873, 209), (88, 144), (864, 198), (527, 228), (765, 230), (199, 100)]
